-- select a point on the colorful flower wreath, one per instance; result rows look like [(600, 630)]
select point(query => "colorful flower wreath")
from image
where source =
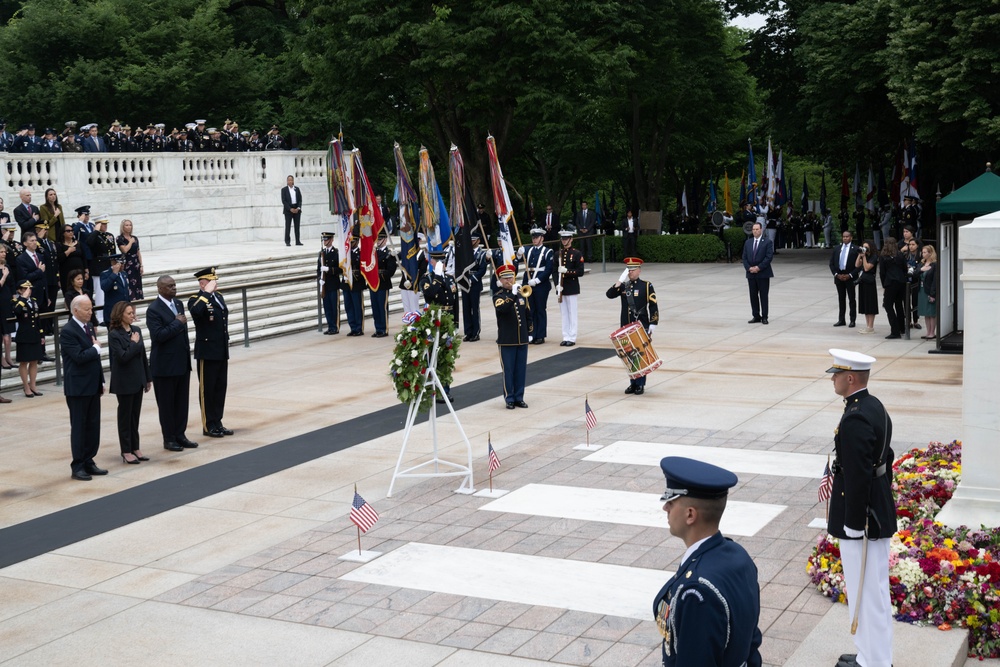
[(414, 343)]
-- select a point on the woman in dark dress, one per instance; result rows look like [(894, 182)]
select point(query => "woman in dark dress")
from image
[(129, 245), (70, 255), (892, 271), (130, 377), (75, 287), (867, 291), (28, 338), (926, 307), (6, 307)]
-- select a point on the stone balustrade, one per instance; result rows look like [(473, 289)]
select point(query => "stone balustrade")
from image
[(177, 199)]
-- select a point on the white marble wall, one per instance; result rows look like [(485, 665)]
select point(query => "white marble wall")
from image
[(177, 199), (977, 499)]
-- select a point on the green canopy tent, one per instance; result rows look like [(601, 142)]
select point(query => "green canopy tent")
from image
[(980, 196)]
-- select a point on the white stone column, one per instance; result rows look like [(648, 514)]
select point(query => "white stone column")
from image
[(977, 498)]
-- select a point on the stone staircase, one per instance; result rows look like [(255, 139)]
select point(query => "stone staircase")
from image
[(276, 310)]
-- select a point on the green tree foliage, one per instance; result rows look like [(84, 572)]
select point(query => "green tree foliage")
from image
[(141, 61)]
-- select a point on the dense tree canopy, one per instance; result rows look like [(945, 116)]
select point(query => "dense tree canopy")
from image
[(651, 97)]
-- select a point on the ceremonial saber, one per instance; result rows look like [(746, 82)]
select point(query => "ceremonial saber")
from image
[(861, 582)]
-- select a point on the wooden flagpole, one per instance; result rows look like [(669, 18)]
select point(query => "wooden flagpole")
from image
[(586, 427)]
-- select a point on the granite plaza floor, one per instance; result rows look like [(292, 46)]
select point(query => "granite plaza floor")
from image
[(561, 570)]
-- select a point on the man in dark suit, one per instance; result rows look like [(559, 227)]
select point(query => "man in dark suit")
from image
[(114, 284), (170, 363), (291, 204), (386, 215), (93, 142), (757, 254), (83, 385), (211, 348), (26, 214), (862, 509), (550, 223), (630, 235), (586, 225), (842, 266)]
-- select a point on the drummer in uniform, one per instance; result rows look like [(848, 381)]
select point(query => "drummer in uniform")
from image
[(638, 305), (708, 611), (513, 335)]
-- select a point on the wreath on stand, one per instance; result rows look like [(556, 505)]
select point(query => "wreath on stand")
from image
[(414, 344)]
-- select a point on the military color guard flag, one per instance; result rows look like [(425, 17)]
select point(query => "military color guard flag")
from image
[(363, 515)]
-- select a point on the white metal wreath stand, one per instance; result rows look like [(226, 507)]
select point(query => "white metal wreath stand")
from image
[(449, 469)]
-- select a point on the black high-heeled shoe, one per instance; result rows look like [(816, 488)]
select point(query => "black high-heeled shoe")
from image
[(125, 460), (141, 458), (6, 367), (36, 392)]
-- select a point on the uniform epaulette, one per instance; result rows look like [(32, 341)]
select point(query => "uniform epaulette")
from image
[(201, 298)]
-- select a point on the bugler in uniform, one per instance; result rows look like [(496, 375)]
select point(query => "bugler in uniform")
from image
[(709, 610), (513, 335)]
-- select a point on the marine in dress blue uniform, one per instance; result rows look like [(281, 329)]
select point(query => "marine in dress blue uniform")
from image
[(471, 318), (329, 275), (513, 336), (862, 504), (708, 611), (638, 305), (538, 264)]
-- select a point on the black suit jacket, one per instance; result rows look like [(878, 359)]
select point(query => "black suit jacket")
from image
[(852, 259), (26, 270), (585, 221), (170, 353), (24, 219), (82, 372), (129, 364), (765, 253), (286, 200)]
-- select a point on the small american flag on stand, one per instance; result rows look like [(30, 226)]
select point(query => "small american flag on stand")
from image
[(825, 484), (363, 515), (589, 414), (494, 459)]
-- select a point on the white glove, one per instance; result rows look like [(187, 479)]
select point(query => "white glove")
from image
[(623, 277), (320, 282), (439, 269), (533, 282), (531, 338), (324, 269), (520, 251), (558, 290), (563, 269), (407, 284), (652, 328), (850, 532)]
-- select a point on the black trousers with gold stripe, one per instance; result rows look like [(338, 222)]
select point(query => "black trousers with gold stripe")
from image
[(213, 380)]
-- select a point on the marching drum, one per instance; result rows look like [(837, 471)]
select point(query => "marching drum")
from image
[(635, 350)]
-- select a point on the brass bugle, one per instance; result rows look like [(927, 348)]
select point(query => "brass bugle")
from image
[(525, 290)]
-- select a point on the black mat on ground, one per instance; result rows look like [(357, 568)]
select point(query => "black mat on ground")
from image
[(59, 529)]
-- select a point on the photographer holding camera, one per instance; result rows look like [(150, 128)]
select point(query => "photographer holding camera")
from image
[(867, 262), (892, 271)]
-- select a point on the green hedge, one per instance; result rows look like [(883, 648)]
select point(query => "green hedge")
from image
[(674, 248), (736, 237)]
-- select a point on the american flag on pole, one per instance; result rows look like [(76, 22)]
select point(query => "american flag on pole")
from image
[(825, 484), (494, 459), (363, 515), (589, 414)]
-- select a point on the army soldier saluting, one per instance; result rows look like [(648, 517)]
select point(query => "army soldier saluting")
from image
[(707, 612), (513, 335), (211, 349), (862, 508), (638, 305)]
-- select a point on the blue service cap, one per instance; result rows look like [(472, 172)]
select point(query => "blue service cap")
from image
[(695, 479)]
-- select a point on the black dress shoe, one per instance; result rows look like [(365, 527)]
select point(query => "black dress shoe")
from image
[(297, 243), (185, 443), (94, 470), (851, 325), (173, 447), (915, 325), (213, 433), (639, 391), (521, 404), (82, 476), (753, 321), (631, 389), (570, 343), (538, 341), (892, 336), (47, 359), (840, 323), (510, 406), (328, 333), (763, 320), (226, 431), (355, 333), (472, 339), (565, 343)]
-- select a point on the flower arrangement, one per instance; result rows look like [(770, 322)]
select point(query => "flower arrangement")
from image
[(937, 575), (414, 344)]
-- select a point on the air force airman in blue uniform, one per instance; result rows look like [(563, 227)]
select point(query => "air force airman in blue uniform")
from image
[(708, 611)]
